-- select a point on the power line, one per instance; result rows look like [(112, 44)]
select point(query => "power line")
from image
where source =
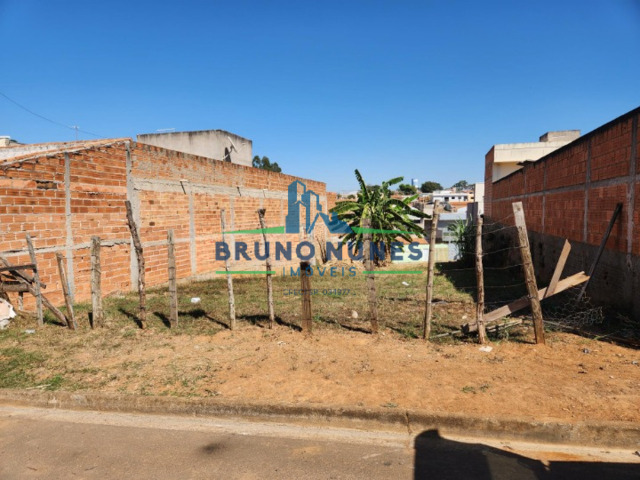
[(70, 127)]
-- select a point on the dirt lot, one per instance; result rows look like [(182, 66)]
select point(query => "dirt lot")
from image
[(571, 378)]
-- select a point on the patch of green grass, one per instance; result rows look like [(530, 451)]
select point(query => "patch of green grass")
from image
[(53, 383), (16, 365)]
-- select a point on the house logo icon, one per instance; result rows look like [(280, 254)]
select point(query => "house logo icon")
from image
[(301, 197)]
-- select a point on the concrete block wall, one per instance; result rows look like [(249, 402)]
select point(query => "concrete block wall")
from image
[(572, 193), (63, 198)]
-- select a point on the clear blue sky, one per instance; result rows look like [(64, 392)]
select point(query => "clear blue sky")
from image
[(414, 88)]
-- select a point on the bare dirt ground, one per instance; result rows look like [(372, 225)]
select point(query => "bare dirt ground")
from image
[(557, 381), (571, 378)]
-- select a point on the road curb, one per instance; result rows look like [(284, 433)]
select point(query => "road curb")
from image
[(605, 434)]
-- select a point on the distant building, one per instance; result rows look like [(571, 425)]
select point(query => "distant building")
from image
[(508, 157), (7, 141), (215, 144), (448, 196), (476, 207), (504, 159), (415, 182)]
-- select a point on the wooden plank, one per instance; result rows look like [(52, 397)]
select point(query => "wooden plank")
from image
[(428, 311), (137, 245), (263, 226), (31, 288), (13, 287), (71, 321), (97, 319), (21, 275), (523, 302), (305, 285), (232, 302), (369, 266), (482, 334), (566, 249), (529, 272), (173, 285), (28, 266), (601, 248), (36, 281)]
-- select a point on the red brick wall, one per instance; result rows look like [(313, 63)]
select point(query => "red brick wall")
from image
[(593, 173), (34, 199), (596, 170)]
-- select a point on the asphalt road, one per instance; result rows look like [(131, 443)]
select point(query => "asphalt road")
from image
[(58, 444)]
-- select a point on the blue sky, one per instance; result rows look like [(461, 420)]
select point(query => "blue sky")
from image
[(414, 88)]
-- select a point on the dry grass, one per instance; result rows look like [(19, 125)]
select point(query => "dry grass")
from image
[(42, 360)]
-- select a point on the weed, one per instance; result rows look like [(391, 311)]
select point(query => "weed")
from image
[(16, 365)]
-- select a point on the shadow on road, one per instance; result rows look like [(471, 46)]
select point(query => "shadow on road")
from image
[(437, 457)]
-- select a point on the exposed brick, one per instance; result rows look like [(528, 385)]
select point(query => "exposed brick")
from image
[(98, 191)]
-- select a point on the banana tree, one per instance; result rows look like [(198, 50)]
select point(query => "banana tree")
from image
[(390, 217)]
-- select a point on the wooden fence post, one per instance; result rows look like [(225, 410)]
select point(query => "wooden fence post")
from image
[(529, 272), (428, 311), (36, 280), (369, 267), (263, 226), (97, 318), (71, 320), (482, 334), (603, 244), (173, 287), (140, 256), (232, 302), (305, 284), (27, 281)]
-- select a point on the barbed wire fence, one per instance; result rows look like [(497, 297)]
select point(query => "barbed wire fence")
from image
[(504, 280)]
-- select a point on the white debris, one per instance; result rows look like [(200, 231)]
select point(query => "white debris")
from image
[(30, 331), (6, 313), (405, 284), (486, 349), (354, 314), (195, 300)]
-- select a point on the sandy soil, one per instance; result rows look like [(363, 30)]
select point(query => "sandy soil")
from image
[(571, 378)]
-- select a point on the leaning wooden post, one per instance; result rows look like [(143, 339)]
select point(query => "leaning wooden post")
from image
[(137, 245), (428, 311), (36, 280), (97, 318), (305, 285), (482, 334), (173, 287), (71, 320), (369, 267), (232, 302), (529, 272), (263, 226)]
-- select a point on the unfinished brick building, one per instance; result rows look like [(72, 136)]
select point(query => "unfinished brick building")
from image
[(63, 194), (572, 193)]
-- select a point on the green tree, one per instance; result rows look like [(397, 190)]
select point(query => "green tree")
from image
[(428, 187), (464, 236), (390, 215), (407, 189), (461, 185), (265, 164)]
